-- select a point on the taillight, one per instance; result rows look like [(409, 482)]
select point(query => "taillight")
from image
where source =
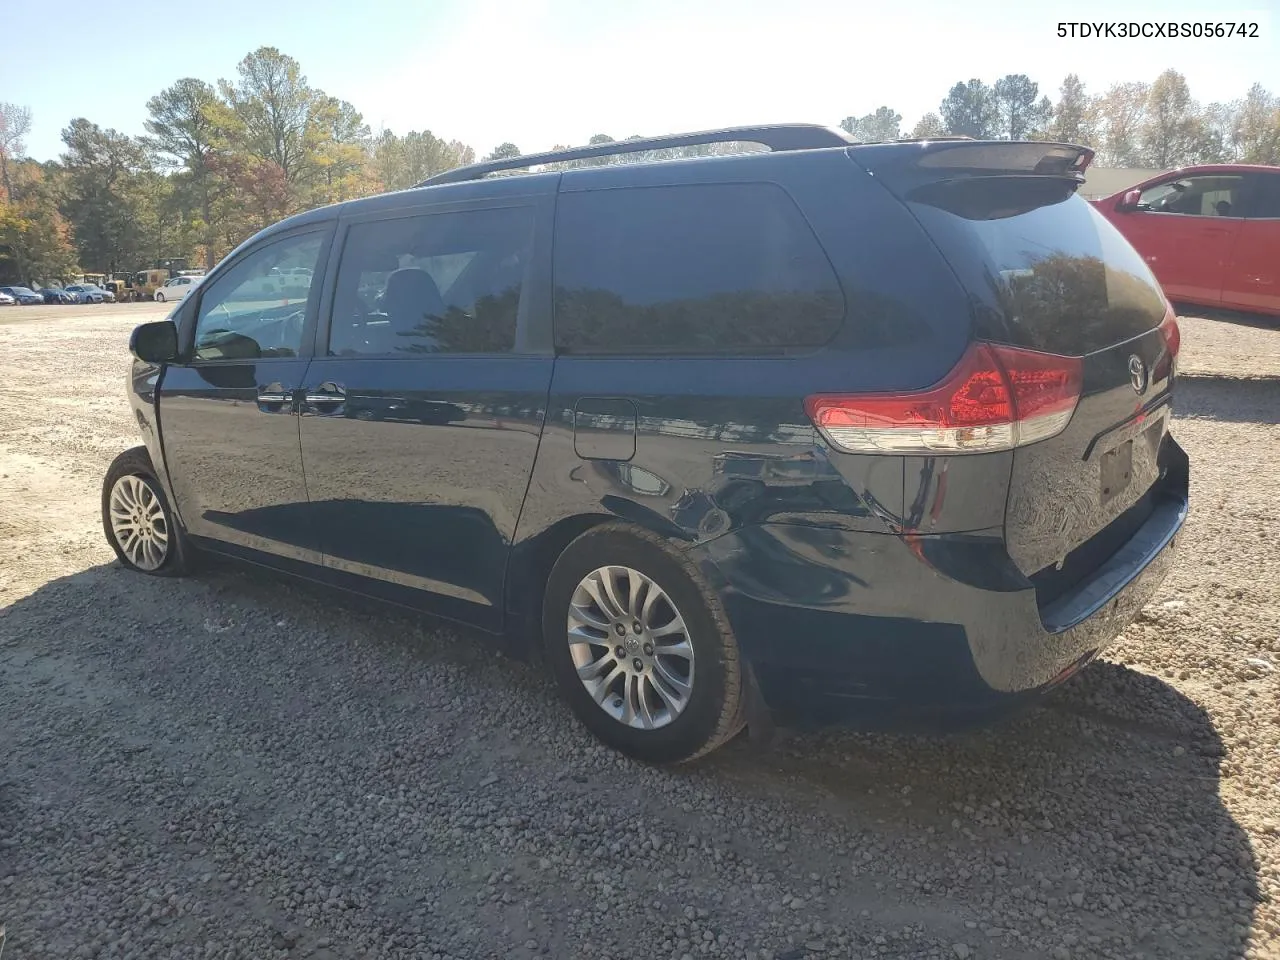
[(995, 398), (1172, 344)]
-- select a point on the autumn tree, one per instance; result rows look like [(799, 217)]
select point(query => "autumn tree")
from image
[(268, 111), (970, 110), (929, 127), (182, 132), (35, 242), (1074, 114), (1021, 112), (338, 142), (403, 162), (503, 151), (1171, 132), (15, 124), (884, 124), (1122, 118), (105, 199), (1256, 127), (1215, 142)]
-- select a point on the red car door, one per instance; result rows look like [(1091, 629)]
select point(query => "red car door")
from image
[(1185, 227), (1252, 279)]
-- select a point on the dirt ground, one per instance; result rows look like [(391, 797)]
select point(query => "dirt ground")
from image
[(228, 766)]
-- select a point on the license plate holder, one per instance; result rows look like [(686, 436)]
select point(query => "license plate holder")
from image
[(1115, 471)]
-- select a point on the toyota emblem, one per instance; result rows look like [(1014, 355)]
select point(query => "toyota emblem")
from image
[(1137, 374)]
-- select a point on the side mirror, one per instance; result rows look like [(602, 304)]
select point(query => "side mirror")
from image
[(155, 342), (1129, 201)]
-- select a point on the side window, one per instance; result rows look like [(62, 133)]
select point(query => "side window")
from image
[(1265, 202), (1212, 195), (253, 311), (436, 283), (700, 268)]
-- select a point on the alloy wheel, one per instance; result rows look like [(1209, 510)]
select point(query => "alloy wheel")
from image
[(138, 523), (630, 647)]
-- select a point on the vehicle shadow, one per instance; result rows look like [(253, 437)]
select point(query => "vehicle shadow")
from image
[(1234, 399), (1097, 812), (1262, 321), (1112, 780)]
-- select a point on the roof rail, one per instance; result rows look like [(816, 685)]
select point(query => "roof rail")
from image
[(868, 143), (778, 137)]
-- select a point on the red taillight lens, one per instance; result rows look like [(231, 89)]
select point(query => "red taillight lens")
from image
[(995, 398), (1172, 335), (1167, 364)]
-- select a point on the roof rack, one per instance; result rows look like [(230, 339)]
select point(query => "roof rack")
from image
[(958, 136), (871, 143), (777, 137)]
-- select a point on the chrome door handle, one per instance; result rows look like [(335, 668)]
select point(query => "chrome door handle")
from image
[(327, 399), (273, 394), (327, 392)]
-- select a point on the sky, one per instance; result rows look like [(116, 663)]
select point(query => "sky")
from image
[(544, 72)]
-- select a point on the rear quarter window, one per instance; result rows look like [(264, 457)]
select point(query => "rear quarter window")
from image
[(690, 269)]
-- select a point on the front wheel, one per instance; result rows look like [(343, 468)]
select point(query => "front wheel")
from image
[(640, 646), (138, 520), (159, 297)]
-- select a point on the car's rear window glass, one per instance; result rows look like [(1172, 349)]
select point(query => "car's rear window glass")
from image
[(700, 268), (1266, 197), (1045, 269)]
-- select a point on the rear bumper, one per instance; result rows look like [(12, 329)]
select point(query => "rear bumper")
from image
[(883, 631)]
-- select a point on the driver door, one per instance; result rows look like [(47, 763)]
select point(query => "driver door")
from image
[(228, 411), (1185, 228)]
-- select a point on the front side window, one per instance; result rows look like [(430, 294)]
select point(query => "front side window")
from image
[(700, 268), (1203, 196), (436, 283), (253, 310)]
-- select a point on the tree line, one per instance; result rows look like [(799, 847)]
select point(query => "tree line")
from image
[(218, 162), (1156, 125)]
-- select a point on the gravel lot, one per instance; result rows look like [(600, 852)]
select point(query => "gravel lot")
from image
[(229, 766)]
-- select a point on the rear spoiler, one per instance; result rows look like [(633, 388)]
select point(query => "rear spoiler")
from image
[(903, 166)]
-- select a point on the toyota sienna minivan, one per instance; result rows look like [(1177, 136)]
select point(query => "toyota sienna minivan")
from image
[(865, 433)]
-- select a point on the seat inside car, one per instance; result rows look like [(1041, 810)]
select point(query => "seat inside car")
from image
[(410, 299)]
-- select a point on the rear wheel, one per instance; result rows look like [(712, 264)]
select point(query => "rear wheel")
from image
[(640, 646), (138, 520)]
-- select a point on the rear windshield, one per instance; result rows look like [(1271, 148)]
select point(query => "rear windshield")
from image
[(1045, 269)]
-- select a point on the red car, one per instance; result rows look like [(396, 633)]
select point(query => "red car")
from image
[(1210, 234)]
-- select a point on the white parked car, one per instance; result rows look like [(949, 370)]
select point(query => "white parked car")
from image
[(177, 288), (6, 300)]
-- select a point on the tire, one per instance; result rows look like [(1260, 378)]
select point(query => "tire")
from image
[(656, 731), (164, 551), (159, 297)]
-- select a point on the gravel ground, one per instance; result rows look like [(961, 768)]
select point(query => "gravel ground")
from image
[(1231, 345), (228, 766)]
